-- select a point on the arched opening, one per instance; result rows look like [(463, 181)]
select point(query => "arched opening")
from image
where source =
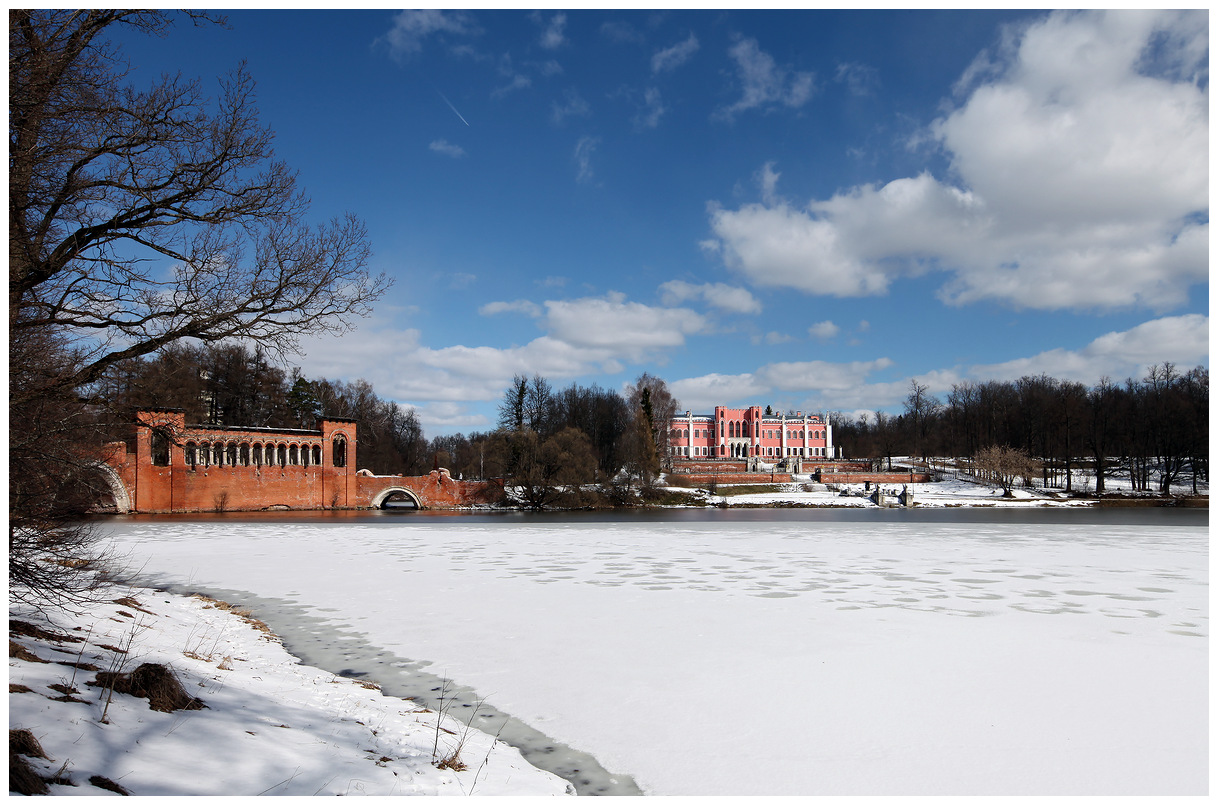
[(118, 497), (160, 449), (397, 499), (340, 451)]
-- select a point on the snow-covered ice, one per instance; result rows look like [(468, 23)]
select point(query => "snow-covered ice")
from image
[(760, 652)]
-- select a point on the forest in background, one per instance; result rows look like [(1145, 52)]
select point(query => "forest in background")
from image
[(1153, 430)]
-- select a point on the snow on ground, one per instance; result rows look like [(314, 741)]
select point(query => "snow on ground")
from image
[(769, 652), (950, 492), (271, 725), (953, 490)]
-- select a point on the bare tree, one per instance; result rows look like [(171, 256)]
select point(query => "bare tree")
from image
[(1005, 465), (137, 218), (650, 399), (141, 217)]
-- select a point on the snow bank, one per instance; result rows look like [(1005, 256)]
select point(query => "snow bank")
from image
[(271, 725)]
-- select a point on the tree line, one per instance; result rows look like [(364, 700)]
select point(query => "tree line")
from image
[(548, 444), (235, 385), (1153, 430), (551, 444)]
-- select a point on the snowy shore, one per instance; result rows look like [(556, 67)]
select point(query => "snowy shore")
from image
[(270, 725)]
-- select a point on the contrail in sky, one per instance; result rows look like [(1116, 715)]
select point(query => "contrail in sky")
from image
[(450, 106)]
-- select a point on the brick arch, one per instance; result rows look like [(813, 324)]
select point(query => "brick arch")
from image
[(122, 499), (378, 501)]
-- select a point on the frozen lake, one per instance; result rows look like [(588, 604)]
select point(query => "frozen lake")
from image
[(767, 651)]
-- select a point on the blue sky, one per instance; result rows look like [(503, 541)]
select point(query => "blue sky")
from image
[(801, 209)]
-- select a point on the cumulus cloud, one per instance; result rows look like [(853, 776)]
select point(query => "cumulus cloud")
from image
[(447, 149), (764, 85), (519, 306), (411, 28), (626, 329), (1182, 340), (671, 58), (717, 294), (581, 336), (1080, 157), (870, 385), (824, 330)]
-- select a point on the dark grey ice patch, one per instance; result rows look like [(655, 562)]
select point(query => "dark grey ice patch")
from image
[(326, 645)]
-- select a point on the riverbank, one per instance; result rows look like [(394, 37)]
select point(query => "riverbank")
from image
[(952, 492), (230, 712)]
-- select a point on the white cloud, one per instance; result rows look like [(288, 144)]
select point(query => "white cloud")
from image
[(624, 329), (724, 297), (572, 106), (1082, 168), (765, 85), (653, 109), (860, 79), (554, 34), (671, 58), (824, 330), (447, 148), (518, 82), (583, 157), (767, 180), (411, 28), (519, 306), (1182, 340), (828, 386), (701, 394)]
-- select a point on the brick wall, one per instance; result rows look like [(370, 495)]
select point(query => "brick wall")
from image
[(875, 478)]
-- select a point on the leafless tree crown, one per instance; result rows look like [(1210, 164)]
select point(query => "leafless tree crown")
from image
[(138, 217)]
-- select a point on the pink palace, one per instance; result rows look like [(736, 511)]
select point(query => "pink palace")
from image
[(745, 432)]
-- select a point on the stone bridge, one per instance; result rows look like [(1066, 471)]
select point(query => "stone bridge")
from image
[(167, 466), (436, 490)]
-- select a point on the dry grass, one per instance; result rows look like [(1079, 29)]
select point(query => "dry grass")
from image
[(23, 629), (243, 613), (151, 681)]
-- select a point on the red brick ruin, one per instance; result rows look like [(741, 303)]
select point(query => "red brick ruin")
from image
[(167, 466)]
